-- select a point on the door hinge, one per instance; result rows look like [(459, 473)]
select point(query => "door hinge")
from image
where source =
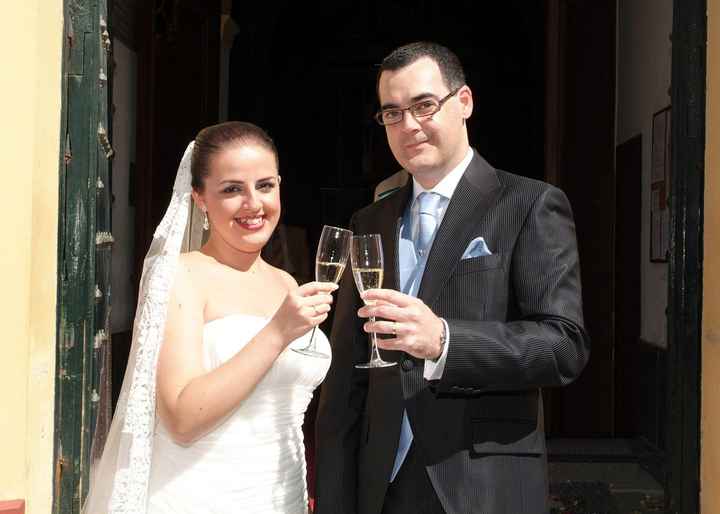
[(104, 34), (104, 141)]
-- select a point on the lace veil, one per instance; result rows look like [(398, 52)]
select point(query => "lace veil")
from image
[(119, 478)]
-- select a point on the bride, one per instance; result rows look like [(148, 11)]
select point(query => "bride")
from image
[(210, 414)]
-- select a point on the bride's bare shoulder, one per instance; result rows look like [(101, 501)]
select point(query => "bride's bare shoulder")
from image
[(193, 269), (188, 285), (285, 277)]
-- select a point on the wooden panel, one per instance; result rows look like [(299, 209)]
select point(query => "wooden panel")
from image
[(686, 252), (630, 377), (583, 153), (640, 375), (83, 265), (76, 260), (123, 20)]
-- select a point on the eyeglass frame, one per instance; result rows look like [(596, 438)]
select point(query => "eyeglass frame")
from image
[(440, 103)]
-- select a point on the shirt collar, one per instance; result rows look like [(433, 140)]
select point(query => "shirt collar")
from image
[(446, 187)]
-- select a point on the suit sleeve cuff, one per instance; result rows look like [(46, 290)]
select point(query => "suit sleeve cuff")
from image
[(433, 370)]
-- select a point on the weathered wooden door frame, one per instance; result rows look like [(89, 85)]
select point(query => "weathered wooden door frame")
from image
[(689, 40), (84, 246)]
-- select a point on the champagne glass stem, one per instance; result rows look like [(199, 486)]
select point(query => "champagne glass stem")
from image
[(311, 344), (374, 352)]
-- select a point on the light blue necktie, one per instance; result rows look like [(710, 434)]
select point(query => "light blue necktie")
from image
[(428, 204)]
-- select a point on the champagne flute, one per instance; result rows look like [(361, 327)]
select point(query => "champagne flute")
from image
[(366, 257), (330, 260)]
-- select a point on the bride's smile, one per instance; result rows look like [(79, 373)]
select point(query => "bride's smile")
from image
[(254, 223)]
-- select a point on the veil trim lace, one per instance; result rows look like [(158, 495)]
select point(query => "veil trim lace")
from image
[(119, 479)]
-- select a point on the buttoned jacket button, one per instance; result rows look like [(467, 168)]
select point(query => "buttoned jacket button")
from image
[(407, 364)]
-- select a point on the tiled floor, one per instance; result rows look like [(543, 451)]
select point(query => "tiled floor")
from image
[(635, 490), (612, 462)]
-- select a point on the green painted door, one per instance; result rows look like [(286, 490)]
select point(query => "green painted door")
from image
[(84, 247)]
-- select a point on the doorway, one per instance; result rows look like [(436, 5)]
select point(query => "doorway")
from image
[(316, 97)]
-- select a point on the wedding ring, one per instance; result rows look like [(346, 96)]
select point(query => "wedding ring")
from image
[(394, 328), (315, 309)]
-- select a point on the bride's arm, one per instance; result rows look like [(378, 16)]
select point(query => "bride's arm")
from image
[(191, 400)]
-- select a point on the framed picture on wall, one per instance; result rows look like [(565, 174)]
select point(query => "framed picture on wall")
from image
[(659, 186)]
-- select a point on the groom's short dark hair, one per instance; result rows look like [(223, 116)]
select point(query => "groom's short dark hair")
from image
[(450, 67)]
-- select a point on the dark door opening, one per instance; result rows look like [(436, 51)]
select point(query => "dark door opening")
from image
[(307, 75)]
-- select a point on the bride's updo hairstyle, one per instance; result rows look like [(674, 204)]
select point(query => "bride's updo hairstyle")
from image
[(215, 138)]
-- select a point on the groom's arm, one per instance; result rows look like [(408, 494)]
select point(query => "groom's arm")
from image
[(546, 344), (342, 402)]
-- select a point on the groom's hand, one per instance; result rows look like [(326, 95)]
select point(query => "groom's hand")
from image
[(416, 329)]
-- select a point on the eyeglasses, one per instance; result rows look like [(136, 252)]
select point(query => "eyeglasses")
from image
[(421, 109)]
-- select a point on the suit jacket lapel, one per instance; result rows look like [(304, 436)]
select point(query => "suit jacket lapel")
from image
[(476, 192)]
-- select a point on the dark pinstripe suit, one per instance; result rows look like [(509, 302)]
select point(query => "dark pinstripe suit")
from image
[(516, 325)]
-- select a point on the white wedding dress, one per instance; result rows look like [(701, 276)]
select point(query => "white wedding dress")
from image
[(254, 460)]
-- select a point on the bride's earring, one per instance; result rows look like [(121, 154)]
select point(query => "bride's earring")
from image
[(206, 223)]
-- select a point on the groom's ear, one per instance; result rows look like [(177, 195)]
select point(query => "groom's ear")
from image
[(466, 101)]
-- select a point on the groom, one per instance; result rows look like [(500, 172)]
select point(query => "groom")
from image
[(482, 309)]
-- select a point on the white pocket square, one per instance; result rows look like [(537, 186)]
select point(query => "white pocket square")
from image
[(476, 248)]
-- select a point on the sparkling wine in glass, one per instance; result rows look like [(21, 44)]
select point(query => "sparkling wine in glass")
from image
[(330, 260), (326, 271), (366, 257)]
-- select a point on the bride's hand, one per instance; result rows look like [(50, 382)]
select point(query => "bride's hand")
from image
[(304, 308)]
